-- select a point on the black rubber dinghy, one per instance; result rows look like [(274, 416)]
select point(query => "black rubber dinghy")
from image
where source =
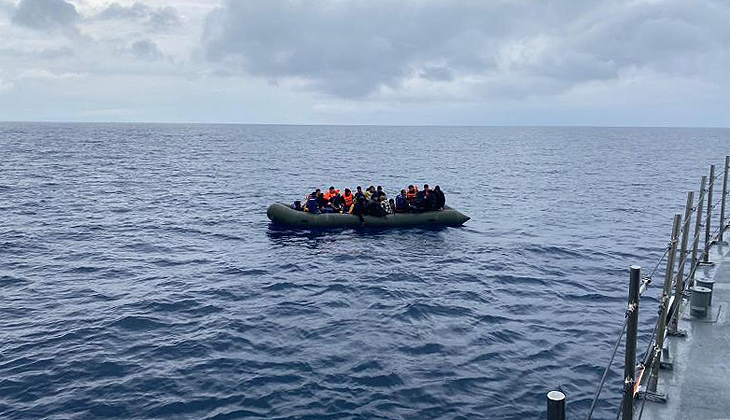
[(281, 214)]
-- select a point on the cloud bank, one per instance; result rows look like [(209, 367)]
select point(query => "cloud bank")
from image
[(45, 14), (586, 62), (157, 18), (360, 48)]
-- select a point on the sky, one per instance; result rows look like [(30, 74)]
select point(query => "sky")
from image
[(395, 62)]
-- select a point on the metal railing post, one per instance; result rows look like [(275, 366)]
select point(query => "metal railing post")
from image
[(724, 197), (632, 325), (679, 287), (662, 322), (698, 227), (708, 221), (555, 405)]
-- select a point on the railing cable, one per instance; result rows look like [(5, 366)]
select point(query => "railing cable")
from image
[(605, 372)]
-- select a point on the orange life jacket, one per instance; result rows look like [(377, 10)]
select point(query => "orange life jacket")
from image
[(329, 196), (348, 199), (411, 196)]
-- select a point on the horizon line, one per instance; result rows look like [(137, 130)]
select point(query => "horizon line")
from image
[(359, 125)]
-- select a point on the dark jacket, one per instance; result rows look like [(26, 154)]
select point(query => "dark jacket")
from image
[(373, 208), (440, 199), (338, 202), (421, 199), (312, 205), (431, 201), (401, 204)]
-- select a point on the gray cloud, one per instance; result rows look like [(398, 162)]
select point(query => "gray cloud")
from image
[(146, 50), (437, 73), (349, 48), (7, 6), (157, 18), (58, 52), (45, 14), (354, 48), (51, 53)]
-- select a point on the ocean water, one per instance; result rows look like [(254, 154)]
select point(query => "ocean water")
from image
[(139, 276)]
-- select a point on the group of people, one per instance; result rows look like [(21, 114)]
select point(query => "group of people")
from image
[(373, 201)]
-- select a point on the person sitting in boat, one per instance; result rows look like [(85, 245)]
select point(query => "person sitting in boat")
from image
[(431, 201), (439, 198), (359, 193), (348, 199), (320, 199), (391, 204), (378, 193), (338, 202), (331, 193), (421, 202), (385, 204), (411, 194), (312, 204), (369, 193), (374, 208), (401, 202), (358, 207)]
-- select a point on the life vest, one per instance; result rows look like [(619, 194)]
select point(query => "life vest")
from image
[(329, 196), (348, 199), (411, 196)]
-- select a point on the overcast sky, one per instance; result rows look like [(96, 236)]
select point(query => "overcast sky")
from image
[(463, 62)]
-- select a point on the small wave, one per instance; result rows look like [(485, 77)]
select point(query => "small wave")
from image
[(238, 271), (505, 336), (519, 280), (285, 285), (84, 270), (554, 251), (290, 267), (379, 381), (6, 281), (369, 365), (400, 277), (167, 262), (418, 311), (335, 288), (428, 348), (137, 323)]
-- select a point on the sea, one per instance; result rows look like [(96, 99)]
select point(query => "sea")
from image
[(141, 279)]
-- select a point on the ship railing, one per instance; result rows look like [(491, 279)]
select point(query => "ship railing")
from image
[(640, 381)]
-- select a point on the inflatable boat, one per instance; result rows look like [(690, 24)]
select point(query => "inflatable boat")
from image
[(281, 214)]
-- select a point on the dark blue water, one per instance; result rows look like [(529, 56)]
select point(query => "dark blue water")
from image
[(139, 277)]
